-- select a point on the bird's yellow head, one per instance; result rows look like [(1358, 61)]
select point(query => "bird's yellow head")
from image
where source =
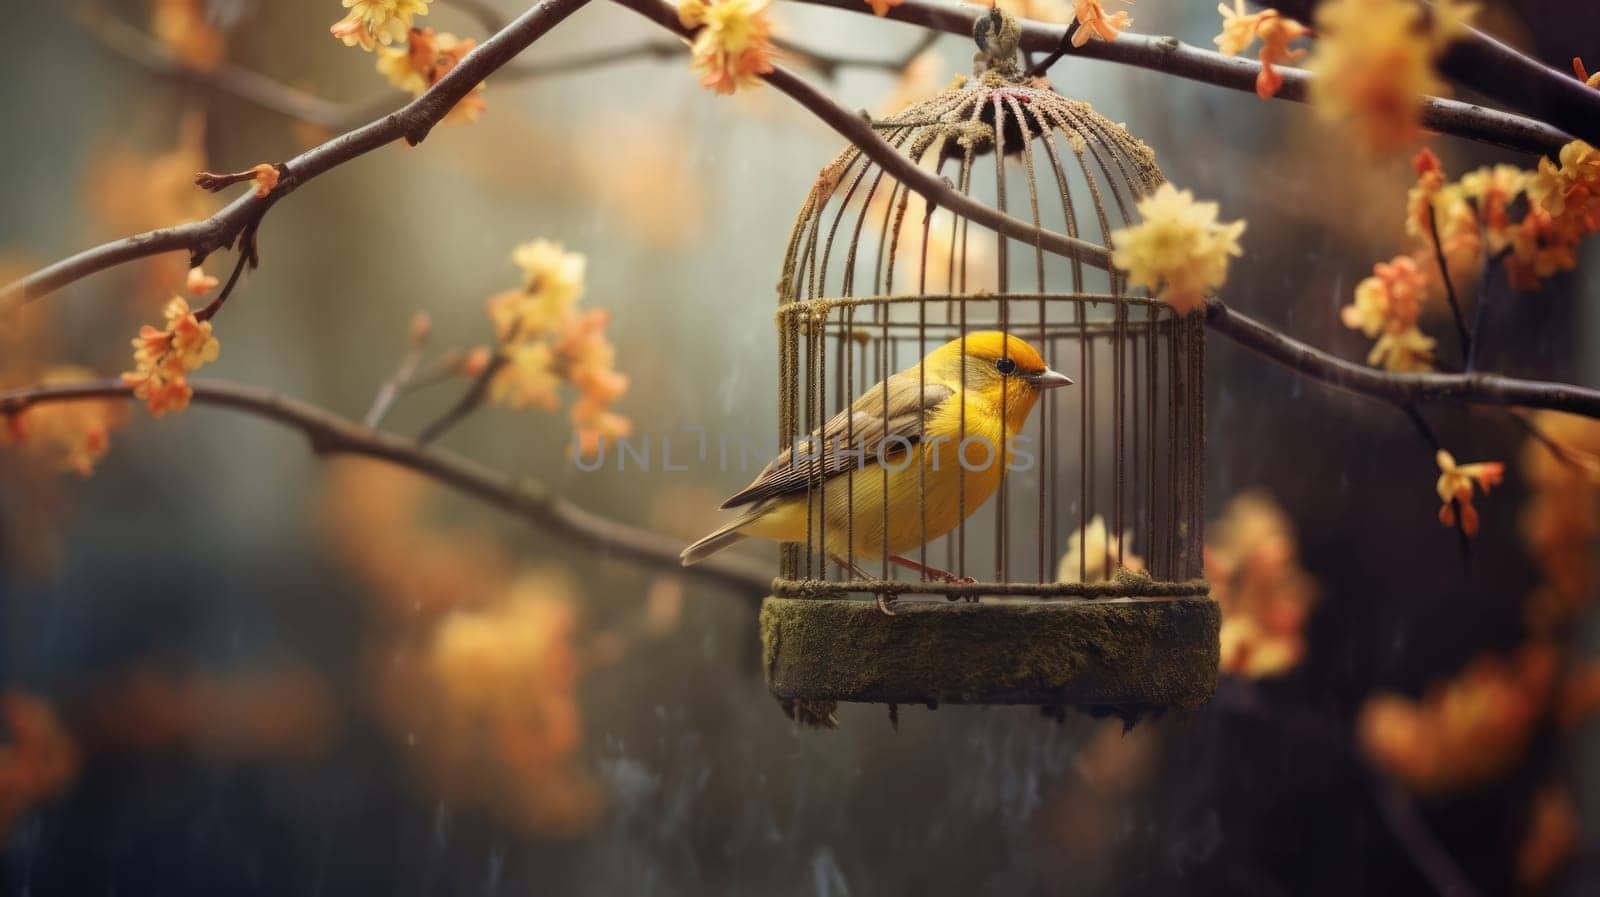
[(997, 366), (989, 361)]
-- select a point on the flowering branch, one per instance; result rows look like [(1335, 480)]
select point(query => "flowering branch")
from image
[(857, 128), (290, 102), (412, 123), (1173, 57), (1399, 389), (1501, 72), (1450, 290), (331, 434)]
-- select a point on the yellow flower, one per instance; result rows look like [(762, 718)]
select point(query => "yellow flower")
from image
[(1405, 351), (1492, 191), (199, 282), (1094, 22), (550, 268), (192, 342), (163, 359), (181, 25), (1240, 29), (1455, 488), (69, 436), (1093, 552), (426, 58), (1374, 62), (528, 378), (692, 13), (373, 22), (397, 65), (733, 47), (1583, 74), (552, 285), (544, 342), (1251, 561), (1577, 178), (1180, 248), (1390, 300)]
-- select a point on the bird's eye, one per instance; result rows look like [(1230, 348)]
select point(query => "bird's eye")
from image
[(1006, 366)]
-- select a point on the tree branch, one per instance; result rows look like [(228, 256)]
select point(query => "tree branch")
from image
[(412, 123), (1399, 389), (858, 130), (1504, 73), (1173, 57), (252, 87), (331, 434)]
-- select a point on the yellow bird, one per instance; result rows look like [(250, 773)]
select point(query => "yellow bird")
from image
[(903, 439)]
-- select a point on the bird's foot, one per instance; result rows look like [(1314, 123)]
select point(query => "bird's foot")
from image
[(886, 604), (933, 572)]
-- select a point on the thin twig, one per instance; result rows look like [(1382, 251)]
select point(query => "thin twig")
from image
[(1425, 430), (331, 434), (1450, 289), (215, 305), (469, 402), (1485, 290), (1397, 388), (253, 87), (396, 386), (412, 123), (444, 368), (1173, 57), (1063, 47), (1405, 823)]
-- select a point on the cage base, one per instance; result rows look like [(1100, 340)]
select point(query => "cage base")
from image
[(1129, 654)]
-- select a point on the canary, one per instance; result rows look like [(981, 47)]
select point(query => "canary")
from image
[(911, 441)]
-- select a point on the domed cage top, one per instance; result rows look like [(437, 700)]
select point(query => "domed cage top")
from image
[(1103, 492)]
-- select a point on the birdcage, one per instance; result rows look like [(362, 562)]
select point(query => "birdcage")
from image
[(1077, 580)]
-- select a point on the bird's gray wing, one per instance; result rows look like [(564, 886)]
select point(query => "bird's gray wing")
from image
[(885, 415)]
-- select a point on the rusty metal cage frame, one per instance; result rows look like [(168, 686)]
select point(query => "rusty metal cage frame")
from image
[(1005, 119)]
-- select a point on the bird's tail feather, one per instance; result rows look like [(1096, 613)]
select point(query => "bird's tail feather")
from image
[(714, 543)]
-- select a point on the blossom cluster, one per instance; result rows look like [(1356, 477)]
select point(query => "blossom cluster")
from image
[(1464, 731), (426, 57), (39, 758), (1560, 522), (1455, 487), (733, 47), (1468, 223), (181, 26), (1252, 562), (1089, 17), (163, 359), (477, 665), (545, 341), (1276, 31), (373, 22), (69, 436), (1094, 554), (1374, 62), (1094, 22), (1179, 249)]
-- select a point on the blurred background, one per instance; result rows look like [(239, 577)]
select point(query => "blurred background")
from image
[(231, 666)]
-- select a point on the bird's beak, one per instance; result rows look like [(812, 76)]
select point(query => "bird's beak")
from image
[(1048, 379)]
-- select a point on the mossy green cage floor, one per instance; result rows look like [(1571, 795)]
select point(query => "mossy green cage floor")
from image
[(1124, 655)]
